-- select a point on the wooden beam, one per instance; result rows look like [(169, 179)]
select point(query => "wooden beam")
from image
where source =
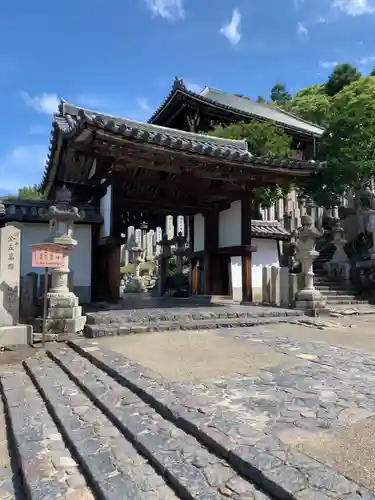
[(187, 183), (209, 160), (246, 210)]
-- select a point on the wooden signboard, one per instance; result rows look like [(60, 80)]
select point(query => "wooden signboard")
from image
[(47, 255)]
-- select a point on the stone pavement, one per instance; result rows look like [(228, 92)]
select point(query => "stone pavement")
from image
[(239, 413)]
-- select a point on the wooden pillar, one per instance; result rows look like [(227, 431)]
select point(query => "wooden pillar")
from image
[(193, 261), (211, 243), (113, 272), (246, 209)]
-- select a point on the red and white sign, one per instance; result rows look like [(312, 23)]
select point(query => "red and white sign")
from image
[(47, 255)]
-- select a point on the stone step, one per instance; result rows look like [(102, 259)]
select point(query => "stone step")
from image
[(10, 486), (262, 459), (337, 300), (337, 293), (187, 464), (46, 466), (111, 464), (175, 315), (127, 328)]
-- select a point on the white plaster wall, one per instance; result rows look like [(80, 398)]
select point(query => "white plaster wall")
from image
[(105, 210), (80, 257), (198, 232), (265, 256), (230, 226), (236, 277)]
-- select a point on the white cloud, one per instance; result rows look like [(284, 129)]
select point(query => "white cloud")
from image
[(328, 64), (302, 31), (22, 166), (193, 87), (167, 9), (144, 105), (43, 103), (366, 60), (355, 7), (231, 30)]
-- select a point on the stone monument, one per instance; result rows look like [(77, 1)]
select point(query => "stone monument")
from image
[(11, 332), (64, 313), (308, 298)]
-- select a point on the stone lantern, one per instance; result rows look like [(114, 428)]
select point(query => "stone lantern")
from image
[(135, 284), (64, 313), (308, 298)]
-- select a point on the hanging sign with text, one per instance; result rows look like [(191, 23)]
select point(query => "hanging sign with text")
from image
[(47, 255)]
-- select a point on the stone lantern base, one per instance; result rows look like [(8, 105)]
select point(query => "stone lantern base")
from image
[(135, 285), (310, 300), (64, 316)]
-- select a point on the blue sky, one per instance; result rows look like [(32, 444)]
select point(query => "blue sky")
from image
[(121, 57)]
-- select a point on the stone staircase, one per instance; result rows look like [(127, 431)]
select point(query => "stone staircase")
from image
[(129, 321), (335, 292), (82, 422)]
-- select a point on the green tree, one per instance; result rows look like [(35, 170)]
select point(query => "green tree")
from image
[(348, 145), (30, 193), (264, 139), (372, 72), (261, 99), (279, 94), (342, 75), (311, 103)]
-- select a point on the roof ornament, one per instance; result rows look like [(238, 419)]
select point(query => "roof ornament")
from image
[(63, 195), (179, 84), (2, 209)]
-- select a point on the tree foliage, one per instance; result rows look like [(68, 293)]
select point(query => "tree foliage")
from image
[(263, 139), (311, 103), (279, 94), (29, 193), (342, 75), (348, 145)]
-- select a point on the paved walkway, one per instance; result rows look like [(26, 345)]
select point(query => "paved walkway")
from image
[(280, 411), (314, 389)]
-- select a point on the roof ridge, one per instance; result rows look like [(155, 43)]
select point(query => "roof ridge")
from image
[(73, 109), (261, 104)]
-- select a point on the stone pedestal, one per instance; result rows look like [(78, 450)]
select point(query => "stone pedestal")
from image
[(308, 298), (64, 312)]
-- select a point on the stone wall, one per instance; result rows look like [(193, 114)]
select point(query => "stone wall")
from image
[(279, 287)]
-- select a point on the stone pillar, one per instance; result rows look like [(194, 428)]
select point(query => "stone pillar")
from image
[(163, 259), (180, 251), (308, 297), (64, 313), (10, 260), (339, 266)]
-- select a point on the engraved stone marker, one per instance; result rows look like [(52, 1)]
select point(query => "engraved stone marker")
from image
[(10, 256)]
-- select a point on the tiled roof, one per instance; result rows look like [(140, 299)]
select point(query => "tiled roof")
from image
[(70, 121), (19, 210), (268, 229), (242, 106)]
